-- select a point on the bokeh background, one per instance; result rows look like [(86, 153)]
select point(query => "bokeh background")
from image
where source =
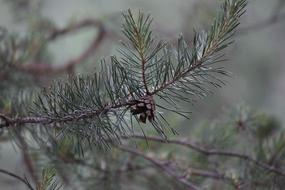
[(256, 60)]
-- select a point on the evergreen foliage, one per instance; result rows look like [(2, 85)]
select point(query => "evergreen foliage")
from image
[(81, 130), (96, 108)]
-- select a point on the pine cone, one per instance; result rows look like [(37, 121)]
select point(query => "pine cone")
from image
[(145, 107)]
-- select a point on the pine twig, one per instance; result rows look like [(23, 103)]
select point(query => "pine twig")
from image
[(9, 122)]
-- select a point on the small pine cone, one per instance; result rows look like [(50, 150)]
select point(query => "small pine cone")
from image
[(145, 107)]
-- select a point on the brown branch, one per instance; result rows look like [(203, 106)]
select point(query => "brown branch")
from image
[(26, 158), (214, 176), (44, 69), (44, 120), (204, 173), (17, 177), (166, 166), (129, 168), (162, 166), (211, 152), (6, 120)]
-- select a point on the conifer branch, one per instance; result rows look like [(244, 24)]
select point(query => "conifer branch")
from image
[(99, 103), (9, 122), (69, 117), (206, 45), (139, 37)]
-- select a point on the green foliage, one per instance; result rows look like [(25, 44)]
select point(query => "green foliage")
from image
[(72, 117), (95, 108), (266, 126), (48, 181)]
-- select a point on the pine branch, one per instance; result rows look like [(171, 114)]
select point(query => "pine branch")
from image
[(99, 103), (48, 181), (138, 32), (9, 122), (206, 46), (210, 152)]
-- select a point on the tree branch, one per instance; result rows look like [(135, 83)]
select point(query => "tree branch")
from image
[(217, 39), (39, 69), (162, 166), (210, 152), (18, 178), (9, 122)]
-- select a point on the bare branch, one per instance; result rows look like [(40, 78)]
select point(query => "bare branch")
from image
[(162, 166), (6, 120), (47, 69), (167, 167), (210, 152), (17, 177)]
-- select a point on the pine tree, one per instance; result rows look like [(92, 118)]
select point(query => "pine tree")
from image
[(80, 131)]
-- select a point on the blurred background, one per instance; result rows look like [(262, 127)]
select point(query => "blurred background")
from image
[(256, 60)]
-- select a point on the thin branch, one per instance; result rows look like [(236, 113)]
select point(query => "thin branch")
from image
[(18, 178), (10, 122), (139, 41), (47, 69), (212, 175), (178, 77), (162, 166), (211, 152), (142, 57), (127, 169), (166, 166), (6, 120)]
